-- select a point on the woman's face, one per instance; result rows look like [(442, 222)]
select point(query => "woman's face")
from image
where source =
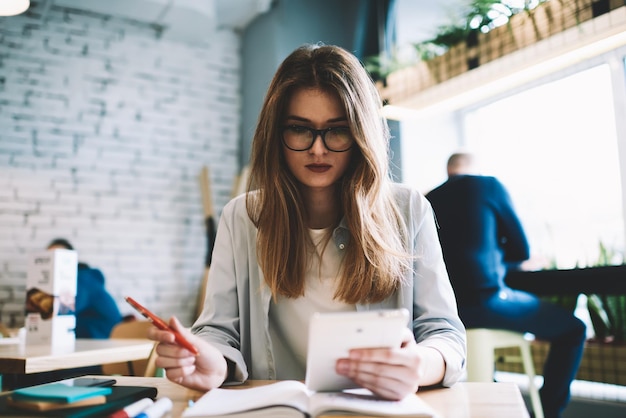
[(317, 168)]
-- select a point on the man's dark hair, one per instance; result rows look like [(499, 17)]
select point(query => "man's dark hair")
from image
[(61, 242)]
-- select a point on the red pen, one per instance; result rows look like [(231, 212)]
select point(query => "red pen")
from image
[(161, 324)]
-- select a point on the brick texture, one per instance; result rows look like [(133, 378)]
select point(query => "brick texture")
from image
[(104, 129)]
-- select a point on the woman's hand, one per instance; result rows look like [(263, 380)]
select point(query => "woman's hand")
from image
[(203, 372), (393, 373)]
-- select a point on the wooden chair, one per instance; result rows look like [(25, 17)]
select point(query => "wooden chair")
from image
[(239, 187), (145, 367)]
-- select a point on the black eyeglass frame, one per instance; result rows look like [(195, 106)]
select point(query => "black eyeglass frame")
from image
[(316, 132)]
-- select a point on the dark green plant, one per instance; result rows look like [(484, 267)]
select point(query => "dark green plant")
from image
[(478, 16), (615, 307), (481, 16), (447, 37), (607, 312), (380, 66), (600, 319)]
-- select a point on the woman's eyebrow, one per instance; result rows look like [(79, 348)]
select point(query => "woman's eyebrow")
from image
[(301, 119)]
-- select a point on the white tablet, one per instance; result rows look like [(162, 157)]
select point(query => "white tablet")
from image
[(332, 335)]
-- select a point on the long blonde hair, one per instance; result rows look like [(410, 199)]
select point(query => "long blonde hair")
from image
[(376, 258)]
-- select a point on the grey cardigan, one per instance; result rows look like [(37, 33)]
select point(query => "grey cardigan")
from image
[(235, 314)]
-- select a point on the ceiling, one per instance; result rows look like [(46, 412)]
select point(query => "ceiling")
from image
[(187, 19), (181, 19)]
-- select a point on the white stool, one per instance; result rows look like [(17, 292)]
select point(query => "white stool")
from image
[(481, 343)]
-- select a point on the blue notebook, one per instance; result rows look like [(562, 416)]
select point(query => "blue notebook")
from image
[(58, 392)]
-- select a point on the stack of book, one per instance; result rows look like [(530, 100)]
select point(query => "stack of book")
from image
[(57, 396), (60, 400)]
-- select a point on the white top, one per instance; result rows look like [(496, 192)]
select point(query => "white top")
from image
[(289, 318)]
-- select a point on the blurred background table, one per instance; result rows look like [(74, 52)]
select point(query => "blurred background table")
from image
[(24, 358)]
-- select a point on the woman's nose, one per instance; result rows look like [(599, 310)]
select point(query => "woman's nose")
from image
[(318, 146)]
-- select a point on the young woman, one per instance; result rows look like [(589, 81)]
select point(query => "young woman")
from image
[(321, 228)]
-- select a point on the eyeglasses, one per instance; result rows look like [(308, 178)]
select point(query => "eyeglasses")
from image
[(302, 138)]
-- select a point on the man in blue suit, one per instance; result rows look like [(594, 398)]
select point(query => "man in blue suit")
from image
[(482, 238)]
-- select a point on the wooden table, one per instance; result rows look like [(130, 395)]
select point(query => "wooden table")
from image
[(24, 358), (463, 400)]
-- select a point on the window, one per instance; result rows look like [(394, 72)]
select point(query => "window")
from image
[(555, 148)]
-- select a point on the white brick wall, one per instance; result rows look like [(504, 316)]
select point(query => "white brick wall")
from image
[(104, 129)]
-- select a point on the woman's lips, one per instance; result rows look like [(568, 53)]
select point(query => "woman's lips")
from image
[(318, 168)]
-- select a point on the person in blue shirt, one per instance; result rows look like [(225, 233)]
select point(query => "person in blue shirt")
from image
[(96, 314), (482, 238), (96, 310)]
